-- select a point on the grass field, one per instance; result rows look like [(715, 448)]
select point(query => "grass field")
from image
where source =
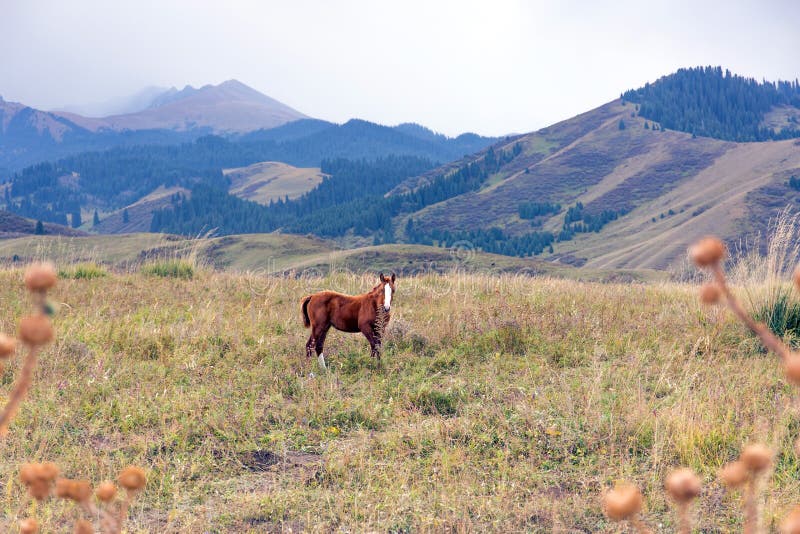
[(284, 253), (504, 403)]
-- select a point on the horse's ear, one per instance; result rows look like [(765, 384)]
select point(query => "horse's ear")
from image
[(394, 277), (383, 278)]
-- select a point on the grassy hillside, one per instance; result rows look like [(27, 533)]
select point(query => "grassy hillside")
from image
[(612, 159), (272, 180), (503, 404), (12, 225), (139, 214), (284, 253)]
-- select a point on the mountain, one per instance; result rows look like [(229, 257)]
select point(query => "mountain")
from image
[(612, 189), (117, 106), (229, 107), (28, 135), (111, 180)]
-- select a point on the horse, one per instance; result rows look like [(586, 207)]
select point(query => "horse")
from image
[(367, 313)]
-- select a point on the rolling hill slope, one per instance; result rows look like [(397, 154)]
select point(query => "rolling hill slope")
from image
[(271, 181), (283, 254), (661, 189)]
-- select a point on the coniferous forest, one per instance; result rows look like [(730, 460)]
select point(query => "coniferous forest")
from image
[(710, 102)]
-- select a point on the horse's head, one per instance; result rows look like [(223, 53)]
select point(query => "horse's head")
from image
[(387, 283)]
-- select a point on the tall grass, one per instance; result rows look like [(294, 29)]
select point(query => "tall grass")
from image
[(83, 271), (169, 269), (762, 273)]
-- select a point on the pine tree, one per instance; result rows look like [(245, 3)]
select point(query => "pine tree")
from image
[(76, 218), (95, 219), (125, 218), (621, 124), (39, 228)]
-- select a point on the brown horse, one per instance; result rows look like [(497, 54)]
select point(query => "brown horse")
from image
[(367, 313)]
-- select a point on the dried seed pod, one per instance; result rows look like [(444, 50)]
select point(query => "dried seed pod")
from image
[(82, 526), (38, 478), (683, 485), (76, 490), (710, 294), (734, 474), (622, 502), (36, 330), (28, 526), (63, 488), (708, 251), (756, 457), (791, 368), (106, 491), (132, 478), (40, 276), (791, 523), (796, 277), (7, 346)]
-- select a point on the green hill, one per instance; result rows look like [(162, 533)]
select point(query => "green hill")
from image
[(287, 254), (645, 192)]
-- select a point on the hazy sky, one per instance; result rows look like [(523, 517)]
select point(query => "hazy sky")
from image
[(493, 67)]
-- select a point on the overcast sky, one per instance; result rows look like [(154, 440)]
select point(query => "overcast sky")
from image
[(493, 67)]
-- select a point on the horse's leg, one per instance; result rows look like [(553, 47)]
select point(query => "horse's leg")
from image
[(319, 343), (376, 334), (368, 330), (310, 345)]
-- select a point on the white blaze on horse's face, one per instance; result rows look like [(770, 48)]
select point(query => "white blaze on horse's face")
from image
[(387, 297)]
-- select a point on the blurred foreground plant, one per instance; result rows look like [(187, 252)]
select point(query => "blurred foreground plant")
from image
[(41, 479), (752, 467)]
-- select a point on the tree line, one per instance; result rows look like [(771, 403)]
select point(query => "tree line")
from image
[(709, 102)]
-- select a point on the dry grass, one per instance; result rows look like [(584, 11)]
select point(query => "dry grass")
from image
[(504, 403)]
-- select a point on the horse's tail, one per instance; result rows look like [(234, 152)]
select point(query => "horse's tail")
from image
[(306, 319)]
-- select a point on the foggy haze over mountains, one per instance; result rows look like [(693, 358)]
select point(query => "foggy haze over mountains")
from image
[(488, 67)]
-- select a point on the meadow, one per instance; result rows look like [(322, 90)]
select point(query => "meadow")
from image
[(503, 403)]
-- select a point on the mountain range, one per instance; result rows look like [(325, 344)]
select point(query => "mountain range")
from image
[(28, 135), (627, 185)]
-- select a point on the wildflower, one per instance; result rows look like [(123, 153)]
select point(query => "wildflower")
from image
[(683, 485), (796, 277), (791, 523), (106, 491), (710, 294), (132, 478), (77, 490), (756, 457), (28, 526), (791, 368), (7, 346), (707, 251), (622, 502), (40, 277), (734, 474), (38, 478), (83, 526), (36, 330)]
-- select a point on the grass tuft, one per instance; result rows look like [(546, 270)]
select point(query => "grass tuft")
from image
[(83, 271), (170, 269)]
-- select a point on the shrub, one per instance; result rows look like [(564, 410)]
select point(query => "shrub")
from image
[(781, 314), (83, 271), (170, 269), (432, 402)]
